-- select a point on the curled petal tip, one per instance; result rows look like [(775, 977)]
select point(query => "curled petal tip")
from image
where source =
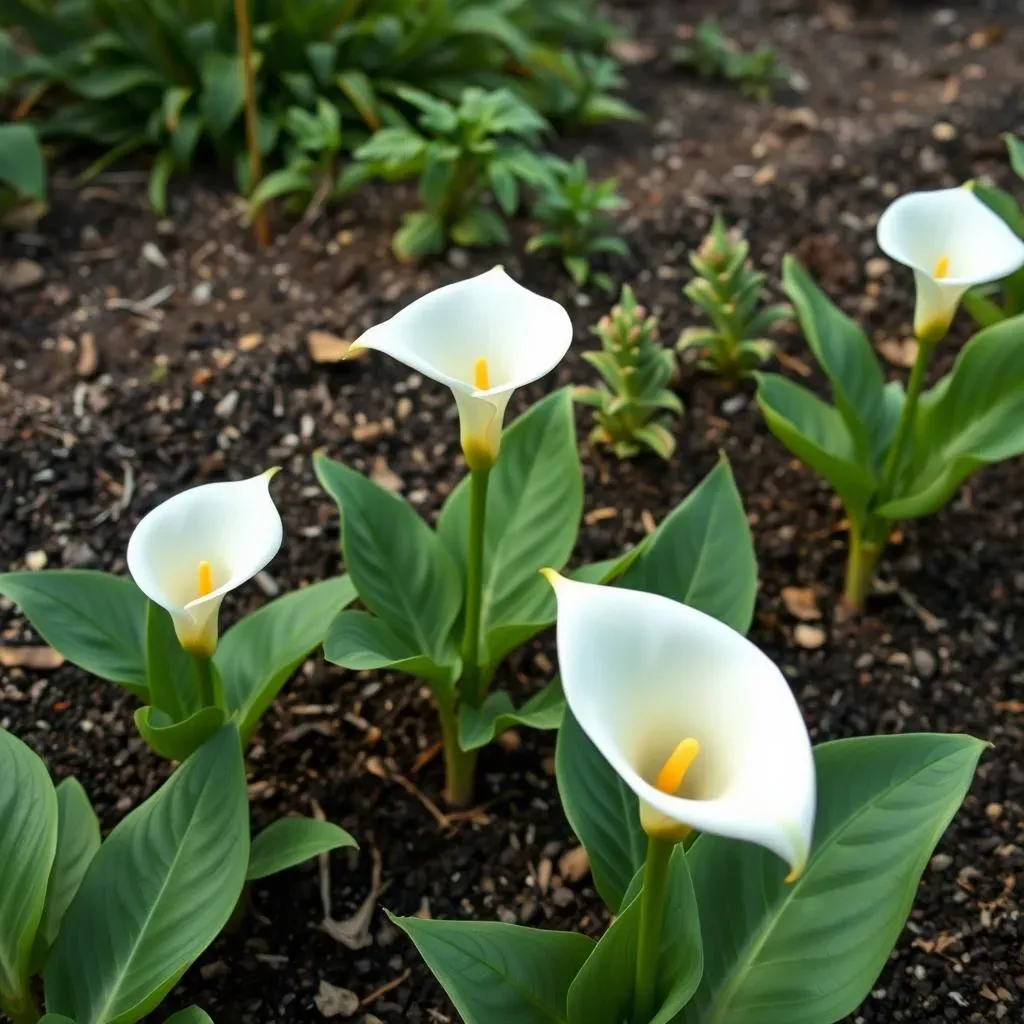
[(354, 349), (551, 575), (269, 474)]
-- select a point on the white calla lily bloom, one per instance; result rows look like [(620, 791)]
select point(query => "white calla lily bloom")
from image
[(699, 723), (483, 338), (952, 241), (201, 544)]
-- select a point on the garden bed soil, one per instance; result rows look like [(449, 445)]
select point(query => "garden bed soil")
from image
[(217, 380)]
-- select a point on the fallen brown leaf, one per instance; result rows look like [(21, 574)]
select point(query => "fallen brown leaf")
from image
[(801, 603), (30, 657), (383, 476), (325, 347), (899, 353), (332, 1001), (574, 864)]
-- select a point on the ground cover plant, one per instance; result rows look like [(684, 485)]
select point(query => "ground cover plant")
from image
[(140, 358)]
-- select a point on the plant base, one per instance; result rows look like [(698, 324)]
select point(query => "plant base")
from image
[(459, 764), (861, 566)]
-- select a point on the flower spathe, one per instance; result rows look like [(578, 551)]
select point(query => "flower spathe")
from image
[(697, 721), (201, 544), (952, 241), (483, 338)]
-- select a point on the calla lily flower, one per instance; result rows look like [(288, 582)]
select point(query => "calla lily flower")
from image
[(483, 338), (201, 544), (692, 716), (952, 241)]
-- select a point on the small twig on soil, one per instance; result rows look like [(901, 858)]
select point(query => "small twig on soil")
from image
[(929, 620), (385, 988), (424, 757), (375, 766), (146, 307)]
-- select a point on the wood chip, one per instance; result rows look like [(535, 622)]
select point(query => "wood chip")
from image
[(599, 515), (801, 603), (88, 357), (30, 657), (383, 476), (574, 864), (332, 1001), (899, 353), (247, 342), (325, 347), (810, 638)]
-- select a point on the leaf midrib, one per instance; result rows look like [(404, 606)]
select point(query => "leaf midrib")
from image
[(757, 943), (114, 989)]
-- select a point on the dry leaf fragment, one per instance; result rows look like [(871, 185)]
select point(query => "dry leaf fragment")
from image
[(383, 476), (810, 638), (88, 357), (332, 1001), (598, 515), (325, 347), (354, 932), (30, 657), (247, 342), (801, 603), (574, 864), (899, 353)]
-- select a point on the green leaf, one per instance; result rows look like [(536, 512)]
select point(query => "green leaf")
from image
[(809, 952), (106, 83), (97, 621), (399, 566), (610, 569), (847, 359), (283, 182), (534, 504), (28, 841), (258, 655), (482, 226), (1015, 148), (1001, 203), (817, 434), (78, 839), (291, 841), (157, 894), (658, 438), (478, 726), (603, 991), (360, 93), (193, 1015), (971, 418), (500, 972), (223, 91), (358, 641), (159, 176), (57, 1018), (421, 234), (21, 161), (602, 810), (177, 740), (702, 554)]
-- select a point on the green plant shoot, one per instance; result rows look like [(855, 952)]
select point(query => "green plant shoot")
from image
[(633, 404), (729, 290)]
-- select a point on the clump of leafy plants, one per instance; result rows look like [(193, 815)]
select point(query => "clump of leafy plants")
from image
[(711, 54), (633, 403), (729, 290), (166, 78), (575, 216), (992, 303), (471, 160)]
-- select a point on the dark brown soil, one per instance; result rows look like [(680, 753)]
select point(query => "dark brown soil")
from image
[(895, 96)]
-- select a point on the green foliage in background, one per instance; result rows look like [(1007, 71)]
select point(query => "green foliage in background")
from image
[(729, 290), (633, 403), (992, 303), (164, 76), (574, 215), (22, 167), (711, 54)]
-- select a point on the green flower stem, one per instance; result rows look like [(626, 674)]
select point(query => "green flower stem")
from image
[(907, 416), (470, 689), (459, 764), (652, 915), (862, 562), (207, 690)]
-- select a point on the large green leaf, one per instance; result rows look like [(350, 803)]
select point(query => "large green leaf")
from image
[(157, 894), (78, 839), (972, 418), (847, 359), (223, 91), (97, 621), (603, 991), (534, 504), (193, 1015), (809, 952), (500, 972), (358, 641), (400, 568), (57, 1018), (28, 840), (602, 810), (21, 161), (291, 841), (702, 554), (177, 740), (817, 434), (258, 656)]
